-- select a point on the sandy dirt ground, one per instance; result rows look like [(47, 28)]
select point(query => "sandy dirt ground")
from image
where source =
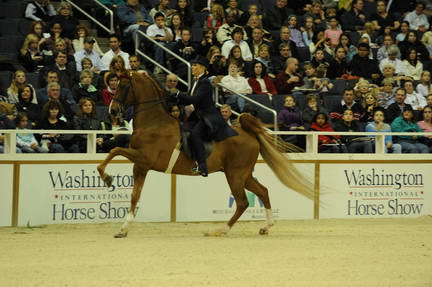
[(366, 252)]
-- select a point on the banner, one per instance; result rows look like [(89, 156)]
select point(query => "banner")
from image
[(6, 194), (210, 199), (375, 190), (75, 193)]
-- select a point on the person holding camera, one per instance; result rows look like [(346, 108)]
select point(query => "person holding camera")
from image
[(217, 62)]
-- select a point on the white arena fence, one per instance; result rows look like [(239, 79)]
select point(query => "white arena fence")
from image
[(66, 188)]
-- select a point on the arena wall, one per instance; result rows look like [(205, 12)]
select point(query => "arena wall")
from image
[(51, 189)]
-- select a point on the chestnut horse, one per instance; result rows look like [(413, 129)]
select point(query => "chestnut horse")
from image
[(156, 134)]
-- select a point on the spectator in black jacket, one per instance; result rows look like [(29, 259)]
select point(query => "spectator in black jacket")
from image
[(66, 19), (25, 97), (65, 70), (394, 110), (54, 93), (355, 144), (284, 37), (277, 15), (347, 103), (42, 94), (85, 88), (355, 19), (362, 66), (338, 66)]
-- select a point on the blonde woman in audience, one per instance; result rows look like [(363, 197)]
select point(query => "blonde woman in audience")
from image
[(78, 43), (30, 55), (216, 17), (424, 88), (19, 80)]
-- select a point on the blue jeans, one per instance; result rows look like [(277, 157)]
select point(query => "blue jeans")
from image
[(411, 146)]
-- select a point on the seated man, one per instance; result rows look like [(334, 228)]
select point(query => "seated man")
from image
[(210, 125), (66, 71), (42, 93), (347, 103), (132, 16), (288, 79), (362, 66), (162, 34)]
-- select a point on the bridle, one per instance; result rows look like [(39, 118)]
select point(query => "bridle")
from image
[(161, 99)]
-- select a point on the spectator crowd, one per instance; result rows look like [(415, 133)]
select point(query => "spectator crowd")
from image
[(347, 65)]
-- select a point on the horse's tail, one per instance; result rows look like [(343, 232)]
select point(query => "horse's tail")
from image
[(271, 148)]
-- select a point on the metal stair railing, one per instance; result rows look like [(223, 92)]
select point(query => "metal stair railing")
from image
[(110, 29), (138, 51), (216, 94)]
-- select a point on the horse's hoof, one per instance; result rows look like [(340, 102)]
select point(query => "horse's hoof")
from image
[(108, 180), (120, 235), (263, 231)]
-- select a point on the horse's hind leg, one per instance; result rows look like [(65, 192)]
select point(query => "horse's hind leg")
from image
[(261, 191), (126, 152), (236, 180), (139, 177)]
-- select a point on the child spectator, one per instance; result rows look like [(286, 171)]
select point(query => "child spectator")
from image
[(334, 32), (311, 110), (378, 125), (290, 119), (85, 88), (109, 92), (326, 143), (27, 142)]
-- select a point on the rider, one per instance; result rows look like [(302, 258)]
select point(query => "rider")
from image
[(210, 124)]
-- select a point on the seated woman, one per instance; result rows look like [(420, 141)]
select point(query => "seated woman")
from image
[(290, 119), (326, 143), (355, 144), (85, 119), (236, 55), (218, 63), (413, 67), (237, 84), (85, 88), (27, 143), (406, 123), (30, 56), (265, 58), (426, 126), (369, 104), (424, 88), (19, 80), (378, 125), (117, 66), (25, 98), (51, 119), (260, 82), (66, 19)]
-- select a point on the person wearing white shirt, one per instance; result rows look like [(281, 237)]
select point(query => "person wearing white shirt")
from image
[(392, 58), (417, 19), (114, 43), (90, 53), (417, 101), (237, 36), (412, 66), (160, 33), (234, 83), (39, 10)]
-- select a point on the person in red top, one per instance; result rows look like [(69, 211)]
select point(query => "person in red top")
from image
[(109, 92), (260, 82), (326, 143)]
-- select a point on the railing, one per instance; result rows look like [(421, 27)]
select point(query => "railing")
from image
[(138, 51), (311, 139), (110, 29), (216, 94)]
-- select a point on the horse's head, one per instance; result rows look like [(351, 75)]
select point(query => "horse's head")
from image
[(124, 94)]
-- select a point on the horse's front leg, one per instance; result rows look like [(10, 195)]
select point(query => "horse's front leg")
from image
[(139, 178)]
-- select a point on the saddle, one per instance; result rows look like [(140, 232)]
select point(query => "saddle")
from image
[(186, 146)]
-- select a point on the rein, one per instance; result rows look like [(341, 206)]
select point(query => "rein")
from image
[(160, 100)]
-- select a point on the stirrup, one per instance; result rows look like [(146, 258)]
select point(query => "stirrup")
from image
[(196, 170)]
